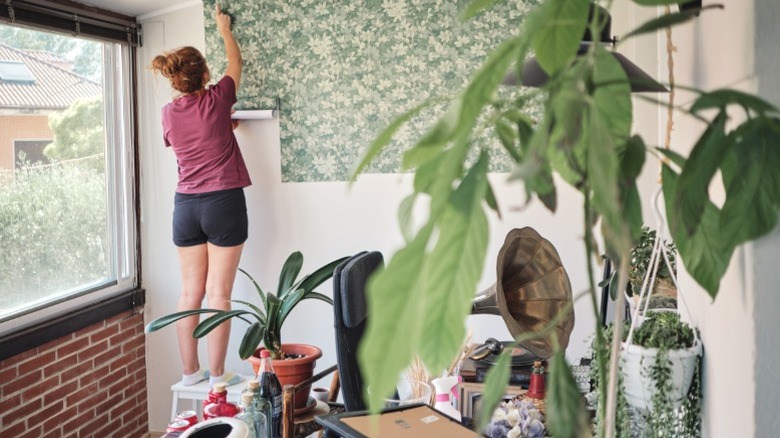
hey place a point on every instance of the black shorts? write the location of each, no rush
(216, 217)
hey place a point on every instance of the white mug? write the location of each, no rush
(320, 394)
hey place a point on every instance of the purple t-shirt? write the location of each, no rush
(198, 129)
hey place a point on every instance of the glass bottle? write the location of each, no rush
(536, 387)
(248, 413)
(270, 393)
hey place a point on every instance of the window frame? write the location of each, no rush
(40, 324)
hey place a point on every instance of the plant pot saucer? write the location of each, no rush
(311, 403)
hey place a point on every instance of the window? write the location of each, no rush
(67, 182)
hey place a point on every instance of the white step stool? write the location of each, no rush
(199, 391)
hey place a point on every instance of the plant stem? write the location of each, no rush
(614, 359)
(588, 212)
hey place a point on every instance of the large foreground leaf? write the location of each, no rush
(559, 29)
(752, 182)
(455, 268)
(565, 416)
(705, 254)
(396, 301)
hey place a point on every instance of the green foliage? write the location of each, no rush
(640, 261)
(584, 137)
(266, 318)
(53, 231)
(78, 131)
(665, 331)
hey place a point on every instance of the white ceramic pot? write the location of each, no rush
(636, 368)
(220, 427)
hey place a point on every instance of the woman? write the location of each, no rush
(209, 219)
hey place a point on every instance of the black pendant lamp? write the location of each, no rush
(534, 76)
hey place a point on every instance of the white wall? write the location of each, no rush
(323, 220)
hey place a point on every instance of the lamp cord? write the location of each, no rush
(670, 49)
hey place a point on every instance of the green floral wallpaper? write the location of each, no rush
(345, 69)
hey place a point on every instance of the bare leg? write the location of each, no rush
(194, 264)
(222, 267)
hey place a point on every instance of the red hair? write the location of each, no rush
(185, 67)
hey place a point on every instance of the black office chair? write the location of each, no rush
(350, 311)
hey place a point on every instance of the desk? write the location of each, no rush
(199, 391)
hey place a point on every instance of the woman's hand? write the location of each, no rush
(223, 20)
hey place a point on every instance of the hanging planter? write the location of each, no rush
(652, 372)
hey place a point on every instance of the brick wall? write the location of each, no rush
(91, 383)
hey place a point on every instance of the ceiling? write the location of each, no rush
(136, 8)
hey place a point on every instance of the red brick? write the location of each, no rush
(75, 372)
(72, 347)
(132, 344)
(22, 411)
(21, 383)
(88, 430)
(115, 412)
(55, 432)
(59, 392)
(86, 331)
(8, 374)
(83, 393)
(66, 363)
(34, 391)
(59, 418)
(118, 339)
(52, 409)
(104, 358)
(7, 403)
(36, 363)
(92, 351)
(94, 375)
(103, 334)
(17, 430)
(21, 357)
(110, 399)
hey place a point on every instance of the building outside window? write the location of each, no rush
(67, 215)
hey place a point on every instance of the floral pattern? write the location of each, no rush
(345, 69)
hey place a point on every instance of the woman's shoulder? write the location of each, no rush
(225, 87)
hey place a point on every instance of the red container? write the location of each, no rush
(190, 417)
(214, 410)
(177, 426)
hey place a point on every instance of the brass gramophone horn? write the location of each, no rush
(531, 288)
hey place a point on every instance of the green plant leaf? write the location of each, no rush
(428, 173)
(455, 266)
(290, 270)
(752, 183)
(491, 201)
(667, 20)
(383, 139)
(214, 321)
(705, 254)
(477, 6)
(659, 2)
(612, 96)
(693, 184)
(720, 99)
(290, 301)
(318, 296)
(405, 217)
(258, 289)
(495, 386)
(163, 321)
(561, 24)
(565, 411)
(260, 312)
(508, 138)
(316, 278)
(431, 144)
(273, 323)
(396, 297)
(251, 340)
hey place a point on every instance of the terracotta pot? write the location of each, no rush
(293, 371)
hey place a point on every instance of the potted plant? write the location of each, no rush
(583, 139)
(292, 362)
(659, 366)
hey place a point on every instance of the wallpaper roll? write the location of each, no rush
(254, 115)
